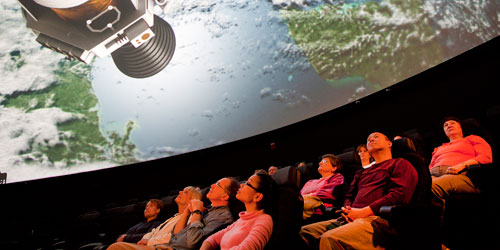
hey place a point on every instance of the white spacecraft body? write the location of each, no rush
(121, 23)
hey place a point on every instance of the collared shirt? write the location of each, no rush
(135, 233)
(215, 218)
(162, 233)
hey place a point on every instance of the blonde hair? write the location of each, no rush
(194, 192)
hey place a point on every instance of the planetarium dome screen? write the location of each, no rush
(239, 68)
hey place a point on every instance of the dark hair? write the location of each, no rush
(356, 152)
(453, 118)
(361, 146)
(157, 203)
(232, 188)
(265, 187)
(336, 162)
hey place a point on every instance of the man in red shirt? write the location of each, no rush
(387, 182)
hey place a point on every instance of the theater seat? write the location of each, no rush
(415, 225)
(287, 210)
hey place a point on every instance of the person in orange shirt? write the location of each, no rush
(451, 161)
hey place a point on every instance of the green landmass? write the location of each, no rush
(384, 42)
(81, 138)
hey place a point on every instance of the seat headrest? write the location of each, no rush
(286, 176)
(402, 146)
(348, 158)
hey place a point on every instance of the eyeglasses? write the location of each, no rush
(250, 185)
(218, 185)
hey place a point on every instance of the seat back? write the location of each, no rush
(287, 176)
(404, 148)
(350, 164)
(287, 209)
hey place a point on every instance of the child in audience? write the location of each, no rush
(254, 227)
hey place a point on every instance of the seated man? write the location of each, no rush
(135, 233)
(317, 191)
(162, 233)
(387, 182)
(204, 222)
(451, 161)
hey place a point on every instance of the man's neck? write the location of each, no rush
(219, 203)
(455, 137)
(151, 218)
(382, 155)
(181, 208)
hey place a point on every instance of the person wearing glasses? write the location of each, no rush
(321, 191)
(204, 221)
(254, 227)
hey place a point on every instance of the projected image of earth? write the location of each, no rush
(241, 68)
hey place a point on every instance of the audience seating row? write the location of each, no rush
(415, 224)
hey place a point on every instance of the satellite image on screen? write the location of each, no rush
(240, 68)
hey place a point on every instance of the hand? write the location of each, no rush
(197, 205)
(143, 242)
(187, 210)
(456, 169)
(121, 238)
(351, 214)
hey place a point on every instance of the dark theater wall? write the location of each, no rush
(465, 86)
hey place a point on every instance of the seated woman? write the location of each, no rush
(364, 156)
(451, 161)
(317, 191)
(162, 233)
(254, 227)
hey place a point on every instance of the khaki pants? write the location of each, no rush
(448, 184)
(365, 233)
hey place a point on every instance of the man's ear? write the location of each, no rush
(390, 143)
(225, 197)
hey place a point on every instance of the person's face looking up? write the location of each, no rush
(452, 129)
(151, 210)
(377, 141)
(363, 153)
(183, 197)
(248, 192)
(218, 190)
(326, 166)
